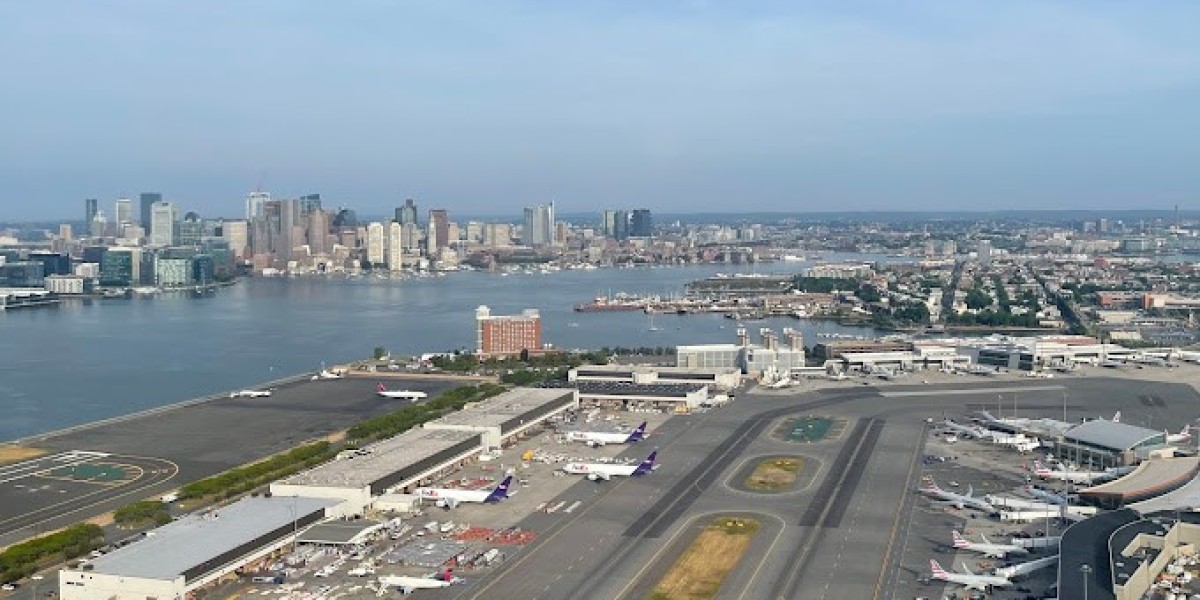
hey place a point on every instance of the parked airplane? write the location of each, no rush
(250, 394)
(1025, 568)
(450, 497)
(986, 548)
(972, 581)
(1112, 364)
(604, 472)
(956, 500)
(327, 374)
(399, 394)
(838, 377)
(408, 585)
(1046, 496)
(600, 438)
(964, 430)
(1183, 436)
(1062, 474)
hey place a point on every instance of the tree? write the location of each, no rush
(977, 299)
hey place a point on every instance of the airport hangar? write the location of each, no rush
(1102, 443)
(418, 456)
(194, 552)
(676, 397)
(201, 550)
(715, 378)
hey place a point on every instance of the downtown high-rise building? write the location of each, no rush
(640, 224)
(621, 225)
(162, 224)
(123, 211)
(539, 225)
(395, 246)
(439, 231)
(236, 234)
(317, 231)
(309, 203)
(90, 207)
(147, 200)
(376, 244)
(407, 213)
(254, 204)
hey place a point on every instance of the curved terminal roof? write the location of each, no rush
(1109, 434)
(1151, 478)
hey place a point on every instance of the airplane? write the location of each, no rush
(972, 581)
(1045, 496)
(986, 548)
(782, 383)
(1183, 436)
(838, 377)
(327, 374)
(1040, 374)
(250, 394)
(604, 472)
(399, 394)
(963, 430)
(1062, 474)
(450, 497)
(600, 438)
(1112, 364)
(1025, 568)
(408, 585)
(956, 500)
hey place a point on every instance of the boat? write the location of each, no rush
(618, 303)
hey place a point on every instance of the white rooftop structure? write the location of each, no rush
(500, 417)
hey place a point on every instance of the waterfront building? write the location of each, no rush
(66, 284)
(162, 224)
(173, 272)
(376, 246)
(22, 274)
(539, 225)
(236, 234)
(121, 267)
(147, 200)
(507, 335)
(395, 247)
(53, 263)
(190, 230)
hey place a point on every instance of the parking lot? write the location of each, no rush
(467, 540)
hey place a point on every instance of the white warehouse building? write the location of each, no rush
(506, 417)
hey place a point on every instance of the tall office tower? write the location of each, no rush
(497, 235)
(162, 224)
(65, 233)
(123, 212)
(621, 225)
(254, 204)
(609, 225)
(98, 224)
(474, 232)
(147, 201)
(395, 246)
(539, 225)
(410, 238)
(236, 234)
(407, 213)
(439, 230)
(309, 203)
(507, 335)
(640, 224)
(288, 223)
(190, 230)
(376, 244)
(121, 266)
(317, 232)
(90, 206)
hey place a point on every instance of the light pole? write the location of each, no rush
(1086, 570)
(1064, 406)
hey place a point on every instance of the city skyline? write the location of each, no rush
(765, 106)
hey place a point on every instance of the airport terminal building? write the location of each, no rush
(194, 552)
(501, 420)
(1102, 443)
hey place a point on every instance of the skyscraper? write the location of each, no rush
(621, 224)
(235, 233)
(407, 213)
(162, 224)
(439, 230)
(148, 200)
(90, 206)
(375, 244)
(309, 203)
(254, 204)
(124, 211)
(609, 225)
(395, 246)
(539, 225)
(317, 232)
(640, 224)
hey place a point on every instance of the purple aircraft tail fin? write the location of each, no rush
(647, 465)
(637, 434)
(501, 491)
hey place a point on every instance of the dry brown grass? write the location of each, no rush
(775, 474)
(700, 571)
(11, 454)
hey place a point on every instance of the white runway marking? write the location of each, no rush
(972, 390)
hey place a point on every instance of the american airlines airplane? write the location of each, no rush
(986, 548)
(960, 501)
(1183, 436)
(451, 497)
(600, 438)
(963, 430)
(604, 472)
(1046, 496)
(972, 581)
(399, 394)
(250, 394)
(1062, 474)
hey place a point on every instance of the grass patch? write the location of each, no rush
(139, 514)
(775, 474)
(806, 429)
(11, 454)
(700, 571)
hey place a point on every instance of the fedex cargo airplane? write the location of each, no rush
(451, 497)
(604, 472)
(600, 438)
(400, 394)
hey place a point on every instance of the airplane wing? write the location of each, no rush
(599, 476)
(451, 502)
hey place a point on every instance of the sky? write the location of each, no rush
(678, 106)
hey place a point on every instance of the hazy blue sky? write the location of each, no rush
(483, 107)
